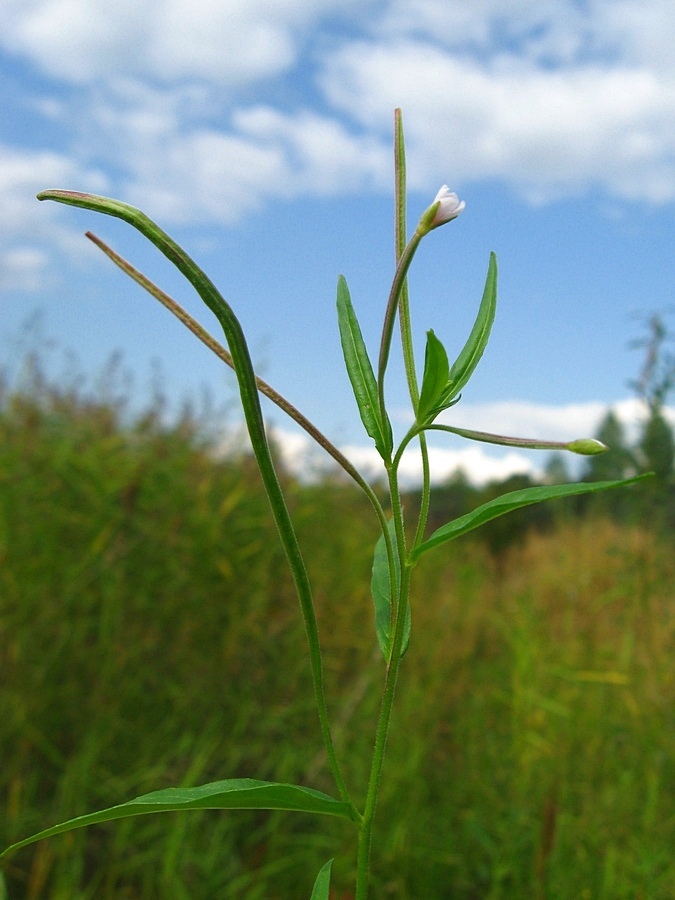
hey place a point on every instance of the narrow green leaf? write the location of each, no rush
(233, 793)
(435, 379)
(511, 501)
(468, 359)
(360, 372)
(255, 424)
(380, 586)
(322, 884)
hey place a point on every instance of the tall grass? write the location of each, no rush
(144, 604)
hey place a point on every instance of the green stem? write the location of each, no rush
(391, 678)
(399, 247)
(413, 432)
(398, 302)
(208, 340)
(250, 400)
(502, 440)
(404, 316)
(390, 315)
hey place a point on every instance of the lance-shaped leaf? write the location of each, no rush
(360, 373)
(435, 379)
(255, 423)
(322, 884)
(233, 793)
(512, 501)
(380, 587)
(472, 351)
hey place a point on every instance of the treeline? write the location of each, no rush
(651, 503)
(66, 408)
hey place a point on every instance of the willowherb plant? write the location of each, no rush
(401, 543)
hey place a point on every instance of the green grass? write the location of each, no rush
(149, 637)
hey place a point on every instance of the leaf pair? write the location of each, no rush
(441, 384)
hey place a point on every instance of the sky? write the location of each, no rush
(259, 134)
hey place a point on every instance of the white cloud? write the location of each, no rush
(28, 227)
(205, 175)
(480, 466)
(553, 98)
(323, 156)
(549, 132)
(641, 32)
(530, 420)
(179, 163)
(548, 27)
(229, 43)
(566, 422)
(480, 463)
(553, 33)
(215, 175)
(22, 268)
(477, 464)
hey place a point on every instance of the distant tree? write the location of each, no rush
(618, 461)
(453, 498)
(658, 447)
(555, 471)
(653, 385)
(657, 375)
(501, 533)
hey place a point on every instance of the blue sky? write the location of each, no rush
(258, 133)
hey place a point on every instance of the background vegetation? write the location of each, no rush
(150, 637)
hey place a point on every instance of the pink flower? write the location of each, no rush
(449, 206)
(446, 207)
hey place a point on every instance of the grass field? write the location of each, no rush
(150, 637)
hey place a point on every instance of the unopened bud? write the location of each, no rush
(587, 447)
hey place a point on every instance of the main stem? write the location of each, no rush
(382, 732)
(398, 301)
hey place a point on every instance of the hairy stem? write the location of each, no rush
(404, 314)
(391, 678)
(390, 315)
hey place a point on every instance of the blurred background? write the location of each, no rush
(149, 634)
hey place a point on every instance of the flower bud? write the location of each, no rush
(587, 447)
(446, 207)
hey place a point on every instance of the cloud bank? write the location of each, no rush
(195, 110)
(479, 463)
